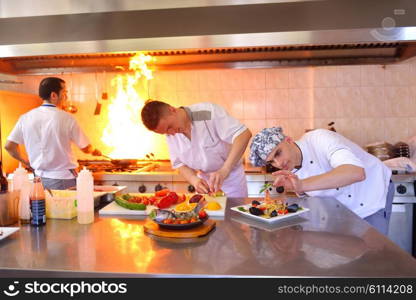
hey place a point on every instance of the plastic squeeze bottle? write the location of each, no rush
(85, 197)
(20, 182)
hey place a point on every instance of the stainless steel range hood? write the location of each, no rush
(40, 36)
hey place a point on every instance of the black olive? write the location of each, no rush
(280, 189)
(273, 214)
(255, 211)
(255, 202)
(293, 208)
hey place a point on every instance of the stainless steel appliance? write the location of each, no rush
(402, 221)
(222, 33)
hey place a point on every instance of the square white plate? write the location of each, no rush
(7, 231)
(270, 220)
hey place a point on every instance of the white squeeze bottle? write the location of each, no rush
(85, 197)
(21, 182)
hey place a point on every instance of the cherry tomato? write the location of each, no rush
(153, 200)
(202, 214)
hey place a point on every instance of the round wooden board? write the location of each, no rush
(153, 228)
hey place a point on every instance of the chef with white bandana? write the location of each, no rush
(205, 144)
(323, 163)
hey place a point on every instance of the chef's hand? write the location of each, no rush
(96, 152)
(201, 186)
(288, 180)
(216, 179)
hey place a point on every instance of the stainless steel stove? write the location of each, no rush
(402, 222)
(145, 176)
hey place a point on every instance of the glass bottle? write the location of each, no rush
(37, 203)
(3, 181)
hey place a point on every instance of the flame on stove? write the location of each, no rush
(125, 133)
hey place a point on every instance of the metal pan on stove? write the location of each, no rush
(121, 162)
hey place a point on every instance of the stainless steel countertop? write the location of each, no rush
(329, 240)
(410, 177)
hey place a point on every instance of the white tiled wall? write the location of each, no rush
(368, 103)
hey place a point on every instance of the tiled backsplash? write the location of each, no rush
(368, 103)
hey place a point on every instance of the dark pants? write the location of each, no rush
(380, 219)
(58, 184)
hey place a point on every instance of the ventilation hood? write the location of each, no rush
(41, 36)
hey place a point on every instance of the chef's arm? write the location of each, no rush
(91, 150)
(14, 150)
(338, 177)
(190, 175)
(237, 150)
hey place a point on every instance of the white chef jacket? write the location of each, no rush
(324, 150)
(47, 133)
(213, 132)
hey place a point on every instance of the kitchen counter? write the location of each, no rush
(408, 177)
(329, 240)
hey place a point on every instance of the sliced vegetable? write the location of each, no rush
(165, 202)
(265, 187)
(126, 196)
(129, 205)
(162, 193)
(242, 209)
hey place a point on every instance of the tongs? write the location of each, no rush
(106, 156)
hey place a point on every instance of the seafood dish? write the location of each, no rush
(271, 210)
(184, 216)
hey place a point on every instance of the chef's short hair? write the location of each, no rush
(152, 112)
(49, 85)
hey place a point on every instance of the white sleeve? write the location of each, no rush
(16, 135)
(227, 127)
(336, 150)
(174, 158)
(78, 136)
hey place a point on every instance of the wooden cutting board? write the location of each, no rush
(153, 228)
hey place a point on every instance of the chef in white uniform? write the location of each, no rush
(205, 144)
(323, 163)
(47, 133)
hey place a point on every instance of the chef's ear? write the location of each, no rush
(289, 139)
(172, 109)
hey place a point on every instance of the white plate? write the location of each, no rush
(270, 220)
(7, 231)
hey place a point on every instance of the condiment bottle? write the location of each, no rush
(20, 182)
(85, 197)
(37, 203)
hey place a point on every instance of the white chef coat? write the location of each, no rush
(213, 132)
(47, 133)
(324, 150)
